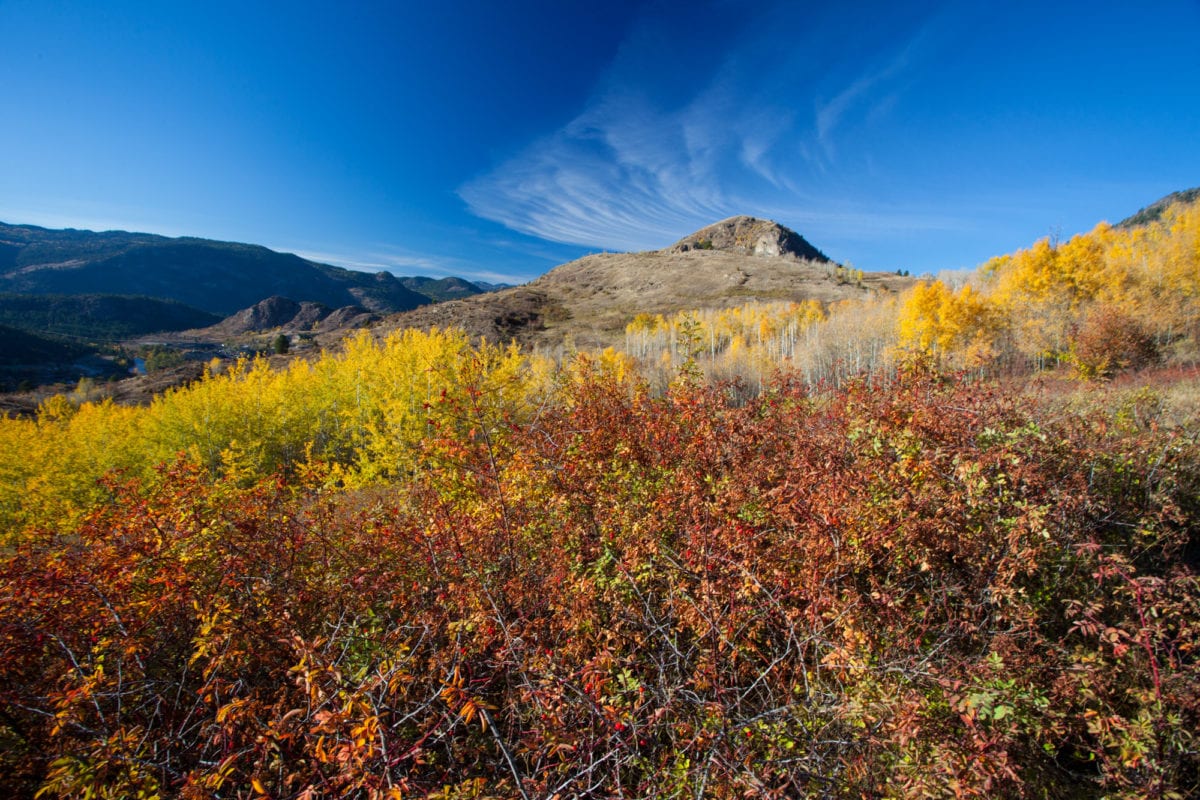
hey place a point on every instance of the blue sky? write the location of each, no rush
(495, 140)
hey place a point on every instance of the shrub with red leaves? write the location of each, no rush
(906, 588)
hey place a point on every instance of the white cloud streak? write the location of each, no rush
(407, 265)
(862, 92)
(622, 175)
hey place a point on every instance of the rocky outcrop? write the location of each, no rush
(275, 312)
(749, 236)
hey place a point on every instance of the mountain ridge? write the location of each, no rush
(98, 316)
(213, 276)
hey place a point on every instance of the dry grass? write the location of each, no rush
(1158, 398)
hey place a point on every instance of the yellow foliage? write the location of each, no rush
(935, 320)
(364, 410)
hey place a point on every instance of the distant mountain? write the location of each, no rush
(488, 286)
(216, 277)
(591, 300)
(98, 316)
(1154, 211)
(440, 289)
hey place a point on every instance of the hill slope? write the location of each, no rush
(1154, 211)
(216, 277)
(732, 262)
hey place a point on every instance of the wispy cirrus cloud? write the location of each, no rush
(622, 175)
(635, 169)
(863, 94)
(625, 174)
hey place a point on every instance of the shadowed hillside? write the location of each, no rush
(98, 316)
(216, 277)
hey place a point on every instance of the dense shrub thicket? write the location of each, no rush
(907, 587)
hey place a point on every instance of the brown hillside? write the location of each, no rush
(591, 300)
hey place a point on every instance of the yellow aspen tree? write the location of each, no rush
(920, 321)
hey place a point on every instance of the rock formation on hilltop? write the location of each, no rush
(749, 236)
(275, 312)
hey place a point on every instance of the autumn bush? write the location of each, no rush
(907, 587)
(1109, 341)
